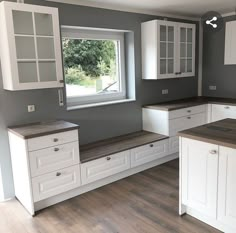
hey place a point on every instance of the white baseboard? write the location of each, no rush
(86, 188)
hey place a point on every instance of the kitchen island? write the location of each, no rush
(208, 174)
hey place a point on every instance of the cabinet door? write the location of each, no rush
(166, 49)
(199, 162)
(227, 187)
(34, 51)
(220, 112)
(186, 50)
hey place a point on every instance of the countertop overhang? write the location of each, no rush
(222, 133)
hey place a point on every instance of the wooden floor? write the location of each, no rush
(143, 203)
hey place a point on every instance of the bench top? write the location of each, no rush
(114, 145)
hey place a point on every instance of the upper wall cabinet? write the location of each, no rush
(230, 45)
(168, 49)
(30, 47)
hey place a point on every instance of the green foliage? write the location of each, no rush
(91, 58)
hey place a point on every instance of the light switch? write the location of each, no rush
(164, 92)
(31, 108)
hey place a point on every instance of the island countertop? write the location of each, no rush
(222, 133)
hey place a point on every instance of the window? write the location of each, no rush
(93, 65)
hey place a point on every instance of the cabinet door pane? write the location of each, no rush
(171, 34)
(170, 66)
(189, 65)
(23, 22)
(25, 47)
(27, 72)
(43, 24)
(189, 50)
(182, 65)
(182, 34)
(47, 71)
(170, 50)
(163, 33)
(45, 48)
(163, 50)
(190, 35)
(163, 66)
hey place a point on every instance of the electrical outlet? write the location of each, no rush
(212, 88)
(164, 92)
(31, 108)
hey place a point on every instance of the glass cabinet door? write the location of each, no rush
(186, 50)
(167, 50)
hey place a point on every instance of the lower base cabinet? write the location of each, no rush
(208, 184)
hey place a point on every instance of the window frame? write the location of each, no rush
(99, 34)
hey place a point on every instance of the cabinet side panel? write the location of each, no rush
(21, 173)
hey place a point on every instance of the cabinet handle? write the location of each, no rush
(189, 117)
(55, 139)
(58, 173)
(56, 149)
(151, 145)
(108, 158)
(189, 111)
(227, 107)
(213, 152)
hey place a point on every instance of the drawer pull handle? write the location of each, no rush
(58, 173)
(151, 145)
(213, 152)
(55, 139)
(56, 149)
(188, 117)
(227, 107)
(189, 111)
(108, 158)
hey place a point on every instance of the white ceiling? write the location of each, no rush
(189, 8)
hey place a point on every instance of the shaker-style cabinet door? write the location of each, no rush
(199, 163)
(186, 50)
(30, 47)
(227, 187)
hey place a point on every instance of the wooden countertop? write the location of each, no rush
(42, 128)
(220, 132)
(190, 102)
(117, 144)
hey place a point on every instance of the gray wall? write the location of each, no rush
(96, 123)
(214, 71)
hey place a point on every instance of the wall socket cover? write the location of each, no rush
(164, 91)
(31, 108)
(212, 88)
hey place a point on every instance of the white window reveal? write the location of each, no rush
(94, 65)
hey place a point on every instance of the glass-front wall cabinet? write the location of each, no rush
(168, 49)
(31, 47)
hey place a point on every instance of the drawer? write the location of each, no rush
(220, 112)
(53, 158)
(187, 111)
(57, 182)
(187, 122)
(149, 152)
(104, 167)
(52, 140)
(173, 145)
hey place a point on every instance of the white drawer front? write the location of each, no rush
(53, 158)
(173, 145)
(187, 111)
(104, 167)
(54, 183)
(220, 112)
(187, 122)
(149, 152)
(52, 140)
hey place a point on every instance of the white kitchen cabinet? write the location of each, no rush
(220, 112)
(199, 170)
(168, 49)
(30, 46)
(227, 187)
(150, 152)
(230, 45)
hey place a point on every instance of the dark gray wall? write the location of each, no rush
(214, 71)
(96, 123)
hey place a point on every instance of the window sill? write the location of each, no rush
(71, 108)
